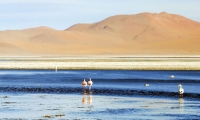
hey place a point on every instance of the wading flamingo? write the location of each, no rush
(90, 84)
(84, 84)
(180, 90)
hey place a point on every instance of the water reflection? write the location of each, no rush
(87, 101)
(181, 103)
(90, 100)
(84, 100)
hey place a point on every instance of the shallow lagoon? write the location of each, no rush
(31, 94)
(158, 80)
(73, 106)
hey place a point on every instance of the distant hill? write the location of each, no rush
(139, 34)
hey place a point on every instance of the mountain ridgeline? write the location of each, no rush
(139, 34)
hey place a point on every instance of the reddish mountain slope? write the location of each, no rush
(140, 34)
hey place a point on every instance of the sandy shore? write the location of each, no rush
(104, 63)
(78, 106)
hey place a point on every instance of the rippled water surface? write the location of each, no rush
(115, 94)
(118, 80)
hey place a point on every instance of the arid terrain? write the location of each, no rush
(141, 34)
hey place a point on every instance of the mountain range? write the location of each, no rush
(138, 34)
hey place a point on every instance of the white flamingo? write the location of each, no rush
(90, 84)
(84, 84)
(172, 76)
(180, 90)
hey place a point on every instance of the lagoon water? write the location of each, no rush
(116, 94)
(159, 81)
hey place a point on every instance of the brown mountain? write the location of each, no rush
(139, 34)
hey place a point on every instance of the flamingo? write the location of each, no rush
(172, 76)
(180, 90)
(84, 84)
(90, 84)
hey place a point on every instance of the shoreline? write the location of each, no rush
(100, 63)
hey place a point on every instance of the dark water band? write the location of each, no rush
(96, 91)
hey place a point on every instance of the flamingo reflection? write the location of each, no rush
(84, 100)
(181, 103)
(90, 100)
(87, 99)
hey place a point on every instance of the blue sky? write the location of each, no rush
(61, 14)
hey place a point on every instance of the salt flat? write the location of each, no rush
(104, 63)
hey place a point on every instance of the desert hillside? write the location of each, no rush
(139, 34)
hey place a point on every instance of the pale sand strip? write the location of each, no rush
(104, 64)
